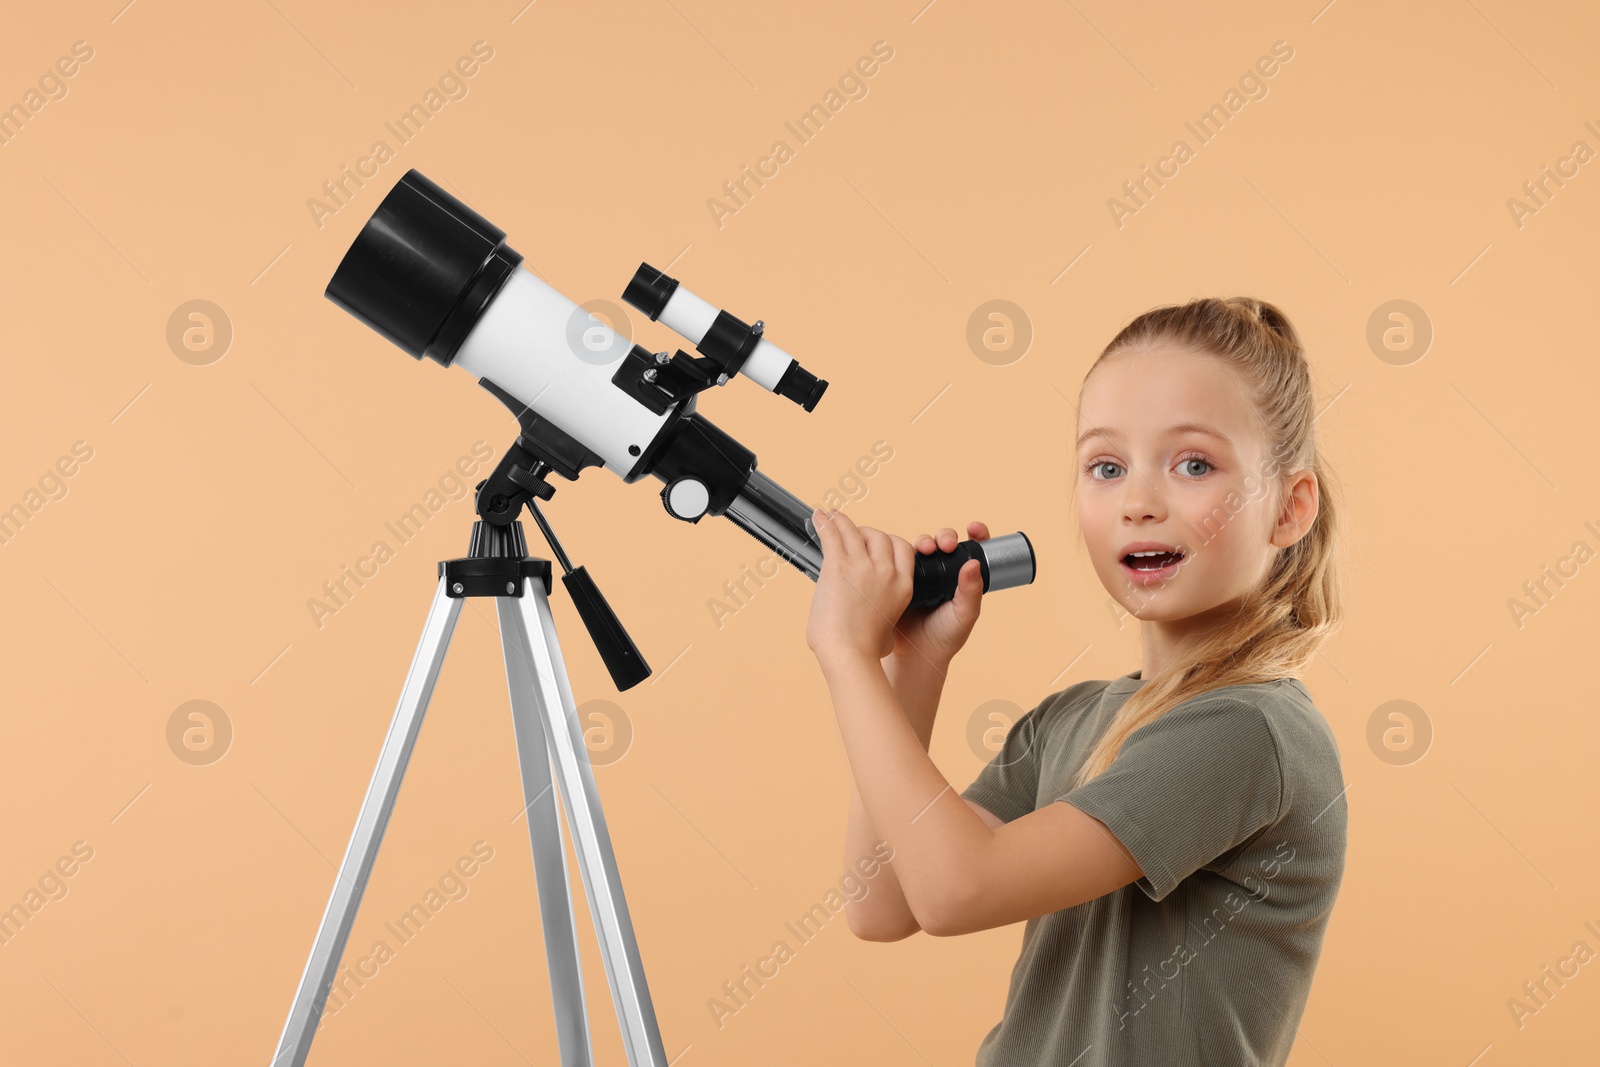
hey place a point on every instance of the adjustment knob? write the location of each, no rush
(530, 481)
(686, 499)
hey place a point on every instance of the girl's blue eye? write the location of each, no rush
(1090, 467)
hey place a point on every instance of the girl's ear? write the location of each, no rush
(1299, 509)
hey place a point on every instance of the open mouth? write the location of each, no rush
(1151, 561)
(1151, 566)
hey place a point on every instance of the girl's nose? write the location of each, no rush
(1140, 503)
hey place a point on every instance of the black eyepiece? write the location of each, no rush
(650, 290)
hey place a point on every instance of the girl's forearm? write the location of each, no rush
(917, 685)
(936, 837)
(883, 914)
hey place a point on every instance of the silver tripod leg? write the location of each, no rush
(535, 671)
(328, 949)
(549, 852)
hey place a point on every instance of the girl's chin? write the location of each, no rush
(1150, 605)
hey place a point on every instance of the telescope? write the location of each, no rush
(439, 281)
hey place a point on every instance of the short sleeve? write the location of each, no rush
(1187, 787)
(1008, 785)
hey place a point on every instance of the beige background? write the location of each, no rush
(222, 494)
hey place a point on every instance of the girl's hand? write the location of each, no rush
(864, 586)
(924, 637)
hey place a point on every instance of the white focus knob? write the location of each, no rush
(686, 498)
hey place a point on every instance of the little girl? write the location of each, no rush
(1176, 899)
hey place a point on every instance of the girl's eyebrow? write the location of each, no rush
(1182, 427)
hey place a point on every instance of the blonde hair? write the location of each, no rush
(1280, 625)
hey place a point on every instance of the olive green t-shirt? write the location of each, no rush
(1232, 803)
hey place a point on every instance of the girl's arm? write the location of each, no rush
(888, 917)
(883, 914)
(956, 872)
(904, 798)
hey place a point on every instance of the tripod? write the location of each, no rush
(547, 731)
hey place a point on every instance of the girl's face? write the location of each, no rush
(1149, 472)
